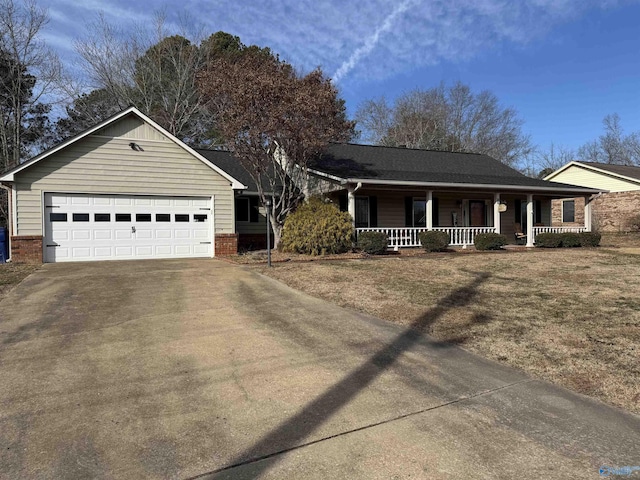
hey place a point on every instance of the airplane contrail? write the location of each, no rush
(371, 41)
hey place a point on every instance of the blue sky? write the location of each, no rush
(562, 64)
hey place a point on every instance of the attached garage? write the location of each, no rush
(119, 227)
(125, 189)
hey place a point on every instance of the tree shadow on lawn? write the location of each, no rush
(290, 434)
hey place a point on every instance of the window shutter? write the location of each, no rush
(343, 202)
(373, 211)
(538, 217)
(518, 210)
(435, 209)
(254, 214)
(408, 211)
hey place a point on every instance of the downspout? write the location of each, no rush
(10, 201)
(358, 187)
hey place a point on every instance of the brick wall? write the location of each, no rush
(556, 213)
(26, 249)
(610, 212)
(226, 244)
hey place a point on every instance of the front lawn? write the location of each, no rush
(571, 316)
(13, 273)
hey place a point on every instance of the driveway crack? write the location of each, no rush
(460, 399)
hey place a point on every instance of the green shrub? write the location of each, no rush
(549, 240)
(317, 228)
(489, 241)
(373, 243)
(570, 239)
(434, 241)
(590, 239)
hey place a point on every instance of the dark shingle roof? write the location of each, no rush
(375, 163)
(225, 160)
(625, 170)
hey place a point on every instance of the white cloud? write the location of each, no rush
(353, 40)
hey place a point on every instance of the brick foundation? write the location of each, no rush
(226, 244)
(26, 249)
(610, 212)
(253, 241)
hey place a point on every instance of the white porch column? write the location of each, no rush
(530, 220)
(429, 210)
(496, 212)
(351, 203)
(587, 214)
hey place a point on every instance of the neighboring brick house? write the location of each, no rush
(612, 209)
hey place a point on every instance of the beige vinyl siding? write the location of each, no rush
(131, 127)
(584, 177)
(104, 165)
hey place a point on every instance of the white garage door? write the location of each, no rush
(117, 227)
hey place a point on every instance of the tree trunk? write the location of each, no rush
(277, 234)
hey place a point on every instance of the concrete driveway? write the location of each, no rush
(201, 369)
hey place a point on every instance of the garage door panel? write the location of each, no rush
(103, 234)
(103, 252)
(60, 236)
(81, 234)
(102, 227)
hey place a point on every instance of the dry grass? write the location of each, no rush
(13, 273)
(568, 316)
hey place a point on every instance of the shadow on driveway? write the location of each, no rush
(316, 413)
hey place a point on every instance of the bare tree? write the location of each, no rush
(549, 160)
(275, 122)
(447, 118)
(613, 146)
(30, 72)
(156, 71)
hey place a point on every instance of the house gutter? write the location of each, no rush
(480, 186)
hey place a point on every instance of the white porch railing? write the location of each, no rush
(537, 230)
(408, 237)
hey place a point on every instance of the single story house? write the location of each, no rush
(403, 191)
(612, 209)
(128, 189)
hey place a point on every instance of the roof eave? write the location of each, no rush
(482, 186)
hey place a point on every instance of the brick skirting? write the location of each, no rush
(26, 249)
(226, 244)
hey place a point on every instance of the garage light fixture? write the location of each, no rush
(135, 147)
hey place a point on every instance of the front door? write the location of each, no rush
(477, 213)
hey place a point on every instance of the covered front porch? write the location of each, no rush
(403, 213)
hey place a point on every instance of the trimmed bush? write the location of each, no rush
(549, 240)
(373, 243)
(317, 228)
(489, 241)
(590, 239)
(434, 241)
(570, 239)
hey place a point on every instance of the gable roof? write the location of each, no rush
(624, 172)
(9, 176)
(352, 163)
